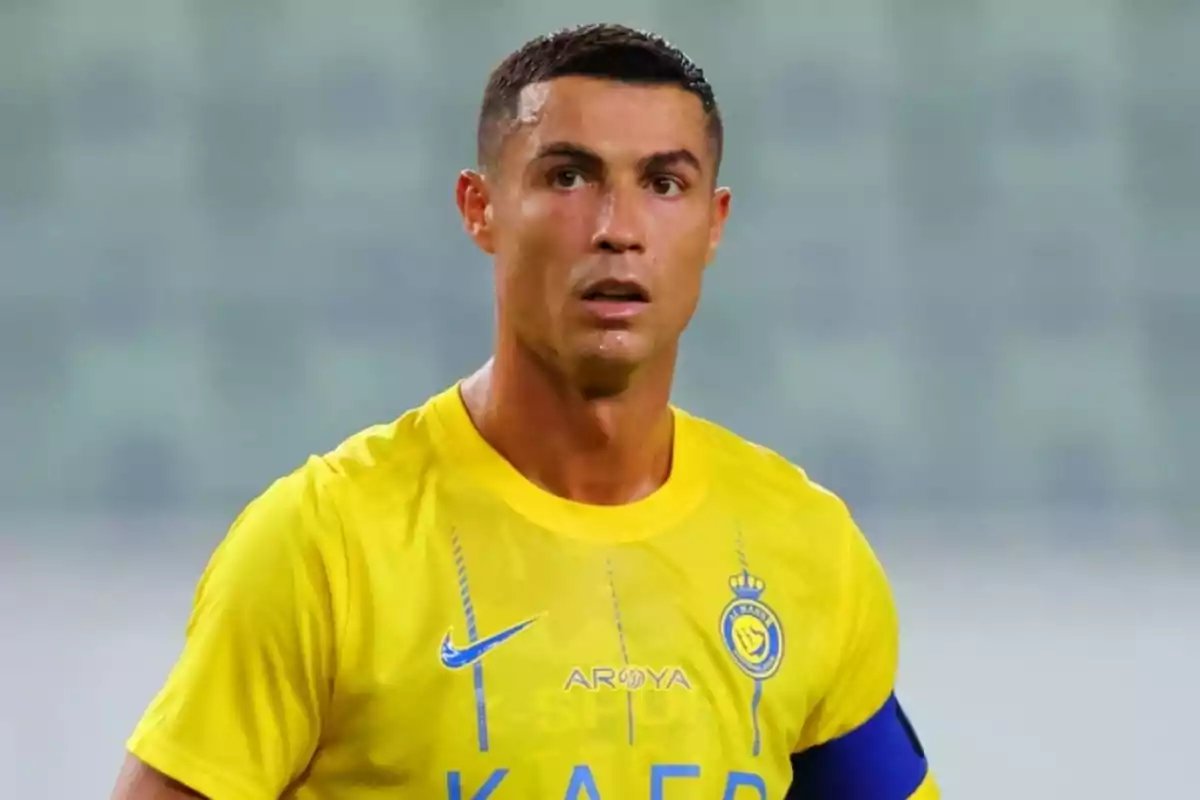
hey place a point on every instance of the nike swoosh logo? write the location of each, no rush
(455, 658)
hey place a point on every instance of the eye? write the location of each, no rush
(567, 178)
(666, 185)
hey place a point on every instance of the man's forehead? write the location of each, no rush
(576, 107)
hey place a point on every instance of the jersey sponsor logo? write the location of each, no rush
(459, 657)
(595, 679)
(750, 629)
(663, 780)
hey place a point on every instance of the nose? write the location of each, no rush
(620, 227)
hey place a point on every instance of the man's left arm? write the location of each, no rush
(858, 743)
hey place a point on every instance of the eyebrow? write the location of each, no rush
(650, 163)
(670, 158)
(575, 152)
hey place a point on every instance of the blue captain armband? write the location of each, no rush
(882, 759)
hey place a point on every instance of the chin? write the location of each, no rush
(606, 371)
(602, 381)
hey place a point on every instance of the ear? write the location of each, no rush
(473, 196)
(721, 199)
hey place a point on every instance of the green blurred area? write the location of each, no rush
(963, 270)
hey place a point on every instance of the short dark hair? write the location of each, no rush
(612, 52)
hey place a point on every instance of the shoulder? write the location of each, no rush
(378, 461)
(759, 475)
(376, 469)
(378, 456)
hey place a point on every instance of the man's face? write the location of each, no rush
(603, 216)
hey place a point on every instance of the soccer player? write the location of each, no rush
(548, 582)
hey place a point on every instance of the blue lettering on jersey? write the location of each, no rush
(454, 789)
(661, 773)
(582, 784)
(630, 678)
(744, 780)
(582, 780)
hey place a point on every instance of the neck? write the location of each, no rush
(607, 451)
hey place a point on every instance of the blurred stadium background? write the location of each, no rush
(961, 286)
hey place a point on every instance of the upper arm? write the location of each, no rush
(139, 781)
(242, 711)
(858, 744)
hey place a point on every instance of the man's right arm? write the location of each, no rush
(241, 713)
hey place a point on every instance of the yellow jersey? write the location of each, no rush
(409, 617)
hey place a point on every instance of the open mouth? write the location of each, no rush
(615, 291)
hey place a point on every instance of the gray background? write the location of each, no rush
(961, 286)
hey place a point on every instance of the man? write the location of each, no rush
(547, 582)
